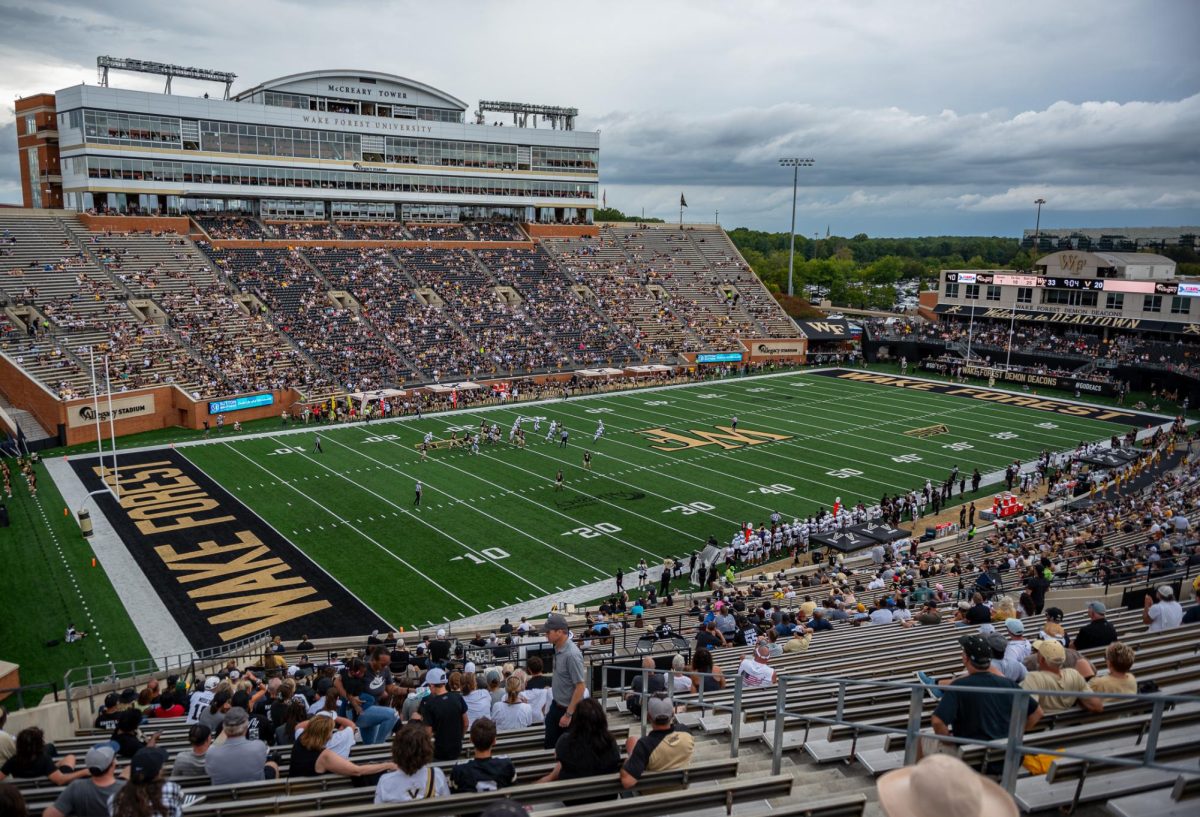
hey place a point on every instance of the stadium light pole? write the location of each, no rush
(795, 165)
(1012, 320)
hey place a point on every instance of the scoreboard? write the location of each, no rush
(1182, 288)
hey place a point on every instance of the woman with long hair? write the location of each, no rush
(514, 712)
(294, 715)
(147, 794)
(415, 777)
(479, 701)
(587, 748)
(34, 758)
(705, 669)
(311, 756)
(12, 803)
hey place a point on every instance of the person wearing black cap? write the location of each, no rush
(89, 796)
(146, 788)
(567, 680)
(982, 716)
(106, 718)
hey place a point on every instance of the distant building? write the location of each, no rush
(1100, 289)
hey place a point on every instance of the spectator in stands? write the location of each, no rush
(567, 682)
(655, 683)
(586, 748)
(1161, 611)
(109, 714)
(982, 716)
(1012, 670)
(708, 676)
(89, 796)
(513, 711)
(663, 747)
(1118, 660)
(444, 714)
(1098, 632)
(479, 701)
(192, 762)
(238, 760)
(1051, 675)
(1018, 645)
(537, 689)
(978, 612)
(312, 755)
(364, 685)
(755, 669)
(415, 777)
(942, 786)
(8, 744)
(709, 637)
(295, 712)
(147, 793)
(214, 715)
(127, 735)
(12, 802)
(483, 772)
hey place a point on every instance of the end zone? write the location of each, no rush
(219, 569)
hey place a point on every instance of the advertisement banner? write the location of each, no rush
(82, 414)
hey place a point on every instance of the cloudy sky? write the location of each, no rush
(924, 117)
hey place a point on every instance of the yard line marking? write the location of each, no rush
(355, 529)
(465, 504)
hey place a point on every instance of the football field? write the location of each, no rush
(492, 530)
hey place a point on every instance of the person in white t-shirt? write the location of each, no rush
(1162, 612)
(416, 778)
(513, 711)
(201, 700)
(755, 667)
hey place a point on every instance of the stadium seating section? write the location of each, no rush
(282, 310)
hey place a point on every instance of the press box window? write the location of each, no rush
(1180, 305)
(993, 292)
(1152, 303)
(952, 290)
(973, 292)
(1024, 295)
(1114, 301)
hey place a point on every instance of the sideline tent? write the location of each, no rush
(599, 372)
(446, 388)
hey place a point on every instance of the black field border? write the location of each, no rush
(277, 566)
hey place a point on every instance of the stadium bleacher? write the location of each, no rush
(845, 706)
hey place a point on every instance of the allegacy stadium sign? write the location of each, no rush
(777, 348)
(84, 414)
(221, 571)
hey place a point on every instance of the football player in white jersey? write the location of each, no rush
(599, 432)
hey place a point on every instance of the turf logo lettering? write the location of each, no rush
(723, 436)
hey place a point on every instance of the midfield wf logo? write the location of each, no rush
(724, 436)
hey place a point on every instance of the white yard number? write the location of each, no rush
(657, 403)
(759, 390)
(690, 508)
(802, 385)
(1047, 426)
(599, 529)
(907, 458)
(960, 446)
(286, 451)
(844, 473)
(774, 488)
(709, 396)
(485, 555)
(1004, 435)
(381, 438)
(599, 411)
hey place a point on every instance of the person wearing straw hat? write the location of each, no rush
(942, 786)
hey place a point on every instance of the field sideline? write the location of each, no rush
(492, 531)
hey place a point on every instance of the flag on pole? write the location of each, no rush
(604, 199)
(682, 201)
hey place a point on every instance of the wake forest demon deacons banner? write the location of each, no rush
(1038, 403)
(222, 572)
(1036, 381)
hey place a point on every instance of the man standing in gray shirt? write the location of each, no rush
(191, 762)
(238, 760)
(88, 796)
(567, 683)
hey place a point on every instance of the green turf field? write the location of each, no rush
(492, 530)
(47, 582)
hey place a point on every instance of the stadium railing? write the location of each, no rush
(85, 684)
